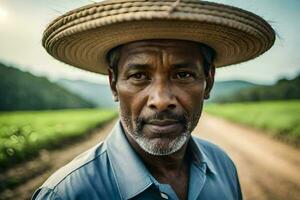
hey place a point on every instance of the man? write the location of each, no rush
(160, 57)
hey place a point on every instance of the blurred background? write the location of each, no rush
(50, 111)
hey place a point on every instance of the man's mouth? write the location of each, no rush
(164, 126)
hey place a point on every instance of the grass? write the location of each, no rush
(24, 134)
(278, 118)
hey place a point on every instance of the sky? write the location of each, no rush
(22, 23)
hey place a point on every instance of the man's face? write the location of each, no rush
(160, 86)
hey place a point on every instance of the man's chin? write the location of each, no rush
(161, 146)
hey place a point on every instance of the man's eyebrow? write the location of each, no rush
(138, 66)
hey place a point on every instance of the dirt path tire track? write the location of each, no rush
(268, 169)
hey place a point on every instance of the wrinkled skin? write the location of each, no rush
(161, 86)
(161, 80)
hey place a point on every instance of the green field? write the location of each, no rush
(278, 118)
(24, 134)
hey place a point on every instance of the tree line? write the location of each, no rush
(283, 89)
(23, 91)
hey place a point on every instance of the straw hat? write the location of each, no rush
(84, 36)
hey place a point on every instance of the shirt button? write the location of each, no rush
(164, 195)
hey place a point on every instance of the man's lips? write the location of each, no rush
(162, 122)
(163, 126)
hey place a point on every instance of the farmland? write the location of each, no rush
(24, 134)
(280, 119)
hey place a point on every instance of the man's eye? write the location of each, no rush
(138, 76)
(183, 75)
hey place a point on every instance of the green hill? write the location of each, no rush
(23, 91)
(223, 89)
(284, 89)
(97, 93)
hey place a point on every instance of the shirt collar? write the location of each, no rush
(200, 156)
(131, 174)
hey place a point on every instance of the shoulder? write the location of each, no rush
(84, 160)
(74, 176)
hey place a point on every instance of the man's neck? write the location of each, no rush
(164, 165)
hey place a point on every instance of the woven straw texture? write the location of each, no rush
(83, 37)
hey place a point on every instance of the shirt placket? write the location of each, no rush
(166, 192)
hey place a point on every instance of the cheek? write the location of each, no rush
(191, 98)
(131, 100)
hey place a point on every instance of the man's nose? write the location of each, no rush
(161, 98)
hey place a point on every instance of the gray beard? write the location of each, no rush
(152, 145)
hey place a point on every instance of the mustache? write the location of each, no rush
(164, 115)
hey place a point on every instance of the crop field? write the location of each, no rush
(24, 134)
(278, 118)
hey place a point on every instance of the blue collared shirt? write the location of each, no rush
(113, 170)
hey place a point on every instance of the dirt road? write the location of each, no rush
(267, 168)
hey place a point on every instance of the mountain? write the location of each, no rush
(97, 93)
(223, 89)
(283, 89)
(23, 91)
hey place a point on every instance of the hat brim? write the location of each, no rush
(83, 37)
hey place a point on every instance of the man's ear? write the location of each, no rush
(113, 84)
(210, 79)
